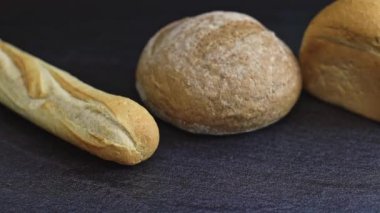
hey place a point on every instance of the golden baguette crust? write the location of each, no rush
(340, 56)
(218, 73)
(111, 127)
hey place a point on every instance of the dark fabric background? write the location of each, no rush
(318, 159)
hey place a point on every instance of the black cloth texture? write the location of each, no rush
(320, 158)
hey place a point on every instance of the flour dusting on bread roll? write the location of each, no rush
(218, 73)
(111, 127)
(340, 56)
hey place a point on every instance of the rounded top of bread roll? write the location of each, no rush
(353, 17)
(218, 73)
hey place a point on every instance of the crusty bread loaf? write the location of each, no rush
(111, 127)
(340, 56)
(218, 73)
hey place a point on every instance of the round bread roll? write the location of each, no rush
(340, 56)
(218, 73)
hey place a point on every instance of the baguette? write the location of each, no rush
(111, 127)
